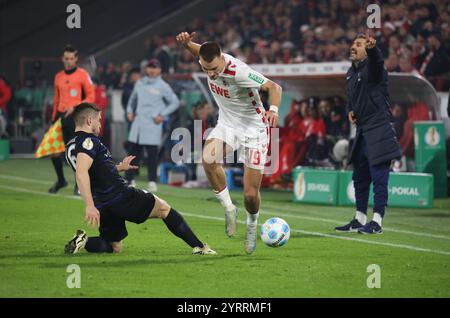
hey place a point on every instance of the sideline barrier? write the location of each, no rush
(333, 187)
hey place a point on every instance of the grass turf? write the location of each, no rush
(413, 253)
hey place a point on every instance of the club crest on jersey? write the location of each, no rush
(88, 144)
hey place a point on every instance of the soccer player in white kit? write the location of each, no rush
(243, 125)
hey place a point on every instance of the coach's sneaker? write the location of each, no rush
(152, 187)
(231, 221)
(250, 237)
(57, 186)
(371, 228)
(205, 250)
(352, 226)
(77, 243)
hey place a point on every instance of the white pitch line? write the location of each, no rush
(388, 229)
(24, 179)
(310, 218)
(346, 238)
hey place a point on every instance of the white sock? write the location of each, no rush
(361, 217)
(252, 218)
(224, 198)
(377, 218)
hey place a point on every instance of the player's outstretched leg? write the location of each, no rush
(178, 226)
(252, 199)
(216, 176)
(93, 244)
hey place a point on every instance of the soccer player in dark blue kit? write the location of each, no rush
(109, 201)
(376, 143)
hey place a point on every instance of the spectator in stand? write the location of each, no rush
(416, 112)
(315, 133)
(111, 78)
(101, 101)
(5, 97)
(292, 145)
(434, 61)
(325, 107)
(133, 76)
(338, 127)
(399, 119)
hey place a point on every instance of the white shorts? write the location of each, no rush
(251, 143)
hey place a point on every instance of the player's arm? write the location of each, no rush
(125, 164)
(84, 163)
(275, 92)
(185, 39)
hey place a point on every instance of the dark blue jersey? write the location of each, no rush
(107, 186)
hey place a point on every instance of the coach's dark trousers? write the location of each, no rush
(364, 174)
(152, 160)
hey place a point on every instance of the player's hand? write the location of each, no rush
(158, 119)
(126, 164)
(130, 117)
(352, 118)
(272, 118)
(184, 38)
(92, 217)
(370, 41)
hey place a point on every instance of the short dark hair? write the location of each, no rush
(69, 48)
(360, 36)
(82, 111)
(209, 51)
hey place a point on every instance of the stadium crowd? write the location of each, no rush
(414, 36)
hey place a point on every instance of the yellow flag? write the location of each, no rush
(52, 142)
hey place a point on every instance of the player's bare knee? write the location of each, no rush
(251, 198)
(164, 210)
(160, 210)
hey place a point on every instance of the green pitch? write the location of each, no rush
(413, 254)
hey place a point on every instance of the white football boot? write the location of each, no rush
(205, 250)
(250, 237)
(231, 221)
(77, 243)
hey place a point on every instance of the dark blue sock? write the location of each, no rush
(98, 245)
(178, 226)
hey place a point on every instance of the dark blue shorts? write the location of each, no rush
(134, 206)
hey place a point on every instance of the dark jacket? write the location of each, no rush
(368, 98)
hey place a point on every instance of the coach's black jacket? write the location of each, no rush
(368, 98)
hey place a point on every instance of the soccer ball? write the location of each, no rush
(275, 232)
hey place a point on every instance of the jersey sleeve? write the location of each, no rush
(87, 145)
(249, 78)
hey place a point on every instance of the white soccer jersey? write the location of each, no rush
(236, 93)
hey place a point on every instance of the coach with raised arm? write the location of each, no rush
(375, 143)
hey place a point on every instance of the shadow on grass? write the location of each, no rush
(102, 260)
